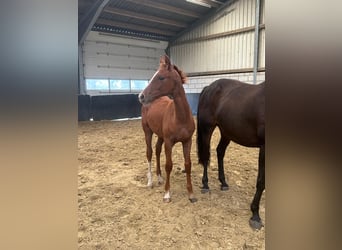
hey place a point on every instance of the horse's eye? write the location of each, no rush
(161, 78)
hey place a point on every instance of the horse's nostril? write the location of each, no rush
(141, 96)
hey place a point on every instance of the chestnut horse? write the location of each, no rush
(238, 109)
(166, 112)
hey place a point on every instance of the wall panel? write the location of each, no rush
(223, 43)
(109, 56)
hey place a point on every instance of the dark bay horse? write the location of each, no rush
(238, 110)
(166, 112)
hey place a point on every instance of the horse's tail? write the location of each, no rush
(204, 129)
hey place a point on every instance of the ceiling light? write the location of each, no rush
(198, 2)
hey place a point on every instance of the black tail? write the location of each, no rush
(204, 129)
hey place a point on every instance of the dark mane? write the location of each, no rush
(181, 74)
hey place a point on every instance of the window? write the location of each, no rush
(115, 86)
(97, 84)
(138, 84)
(119, 85)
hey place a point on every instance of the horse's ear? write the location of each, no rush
(165, 62)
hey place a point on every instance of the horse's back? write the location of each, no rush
(237, 108)
(241, 114)
(211, 98)
(241, 98)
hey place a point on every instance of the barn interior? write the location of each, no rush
(120, 43)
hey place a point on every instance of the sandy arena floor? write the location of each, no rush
(118, 211)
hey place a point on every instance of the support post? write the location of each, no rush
(256, 41)
(84, 26)
(81, 82)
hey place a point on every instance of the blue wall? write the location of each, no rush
(193, 101)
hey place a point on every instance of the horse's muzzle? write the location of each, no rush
(141, 98)
(145, 99)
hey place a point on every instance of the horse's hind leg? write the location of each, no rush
(168, 168)
(255, 221)
(158, 151)
(204, 133)
(187, 166)
(148, 139)
(221, 150)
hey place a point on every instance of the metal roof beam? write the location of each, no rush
(213, 4)
(166, 7)
(121, 12)
(134, 27)
(202, 20)
(206, 3)
(88, 20)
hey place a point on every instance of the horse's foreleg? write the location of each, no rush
(148, 139)
(158, 151)
(220, 151)
(255, 221)
(168, 169)
(187, 166)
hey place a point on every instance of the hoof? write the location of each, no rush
(149, 186)
(160, 180)
(167, 200)
(205, 190)
(257, 225)
(193, 200)
(224, 188)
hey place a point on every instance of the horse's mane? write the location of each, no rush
(181, 74)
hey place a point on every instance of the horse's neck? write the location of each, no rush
(182, 109)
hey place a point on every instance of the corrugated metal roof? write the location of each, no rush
(156, 19)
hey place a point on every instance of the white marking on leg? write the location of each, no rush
(149, 175)
(160, 179)
(167, 196)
